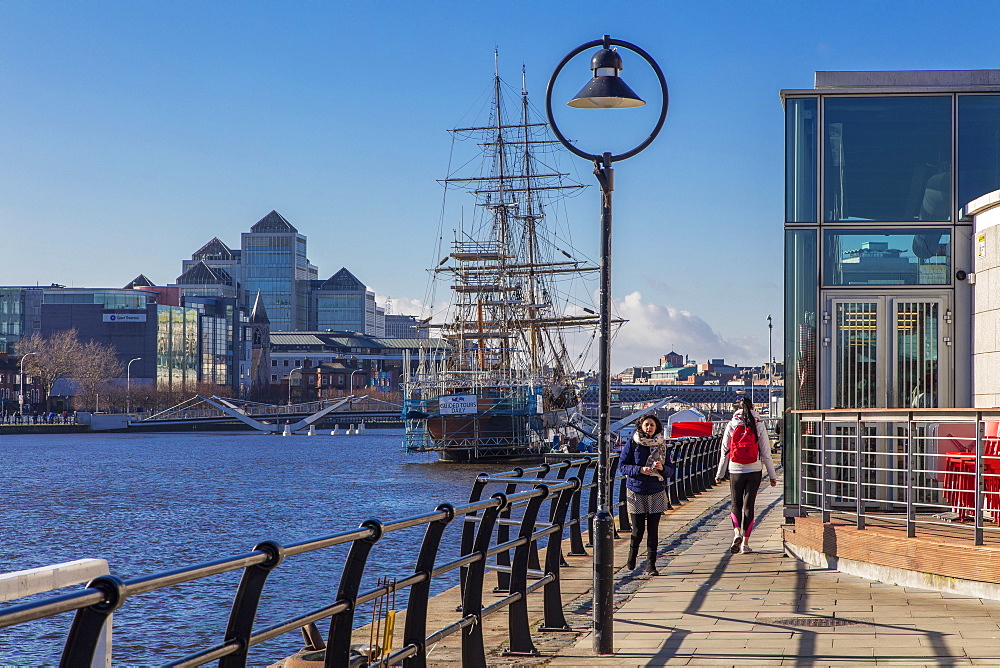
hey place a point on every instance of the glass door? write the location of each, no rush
(856, 367)
(918, 347)
(885, 351)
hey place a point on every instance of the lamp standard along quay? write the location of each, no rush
(605, 91)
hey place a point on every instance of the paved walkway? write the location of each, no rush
(709, 607)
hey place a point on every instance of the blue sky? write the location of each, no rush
(131, 133)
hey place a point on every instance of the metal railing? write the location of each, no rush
(486, 545)
(919, 470)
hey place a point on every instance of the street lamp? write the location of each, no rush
(298, 368)
(21, 398)
(605, 91)
(128, 384)
(351, 388)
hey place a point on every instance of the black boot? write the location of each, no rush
(651, 563)
(633, 552)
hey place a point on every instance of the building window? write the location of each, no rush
(978, 146)
(801, 145)
(887, 159)
(274, 378)
(887, 257)
(274, 362)
(286, 362)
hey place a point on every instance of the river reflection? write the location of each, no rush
(153, 502)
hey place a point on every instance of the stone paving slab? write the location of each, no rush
(713, 608)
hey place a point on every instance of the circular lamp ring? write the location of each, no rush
(606, 43)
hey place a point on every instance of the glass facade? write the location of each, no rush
(978, 146)
(801, 293)
(340, 312)
(123, 301)
(877, 170)
(887, 257)
(176, 347)
(217, 350)
(887, 159)
(275, 264)
(801, 168)
(11, 317)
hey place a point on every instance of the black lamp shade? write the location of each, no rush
(606, 92)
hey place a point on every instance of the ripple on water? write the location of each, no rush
(153, 502)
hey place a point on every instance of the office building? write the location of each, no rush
(274, 263)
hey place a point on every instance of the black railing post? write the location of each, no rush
(469, 528)
(554, 619)
(503, 535)
(518, 629)
(247, 599)
(576, 548)
(415, 630)
(697, 477)
(682, 469)
(473, 650)
(592, 507)
(533, 561)
(81, 643)
(338, 645)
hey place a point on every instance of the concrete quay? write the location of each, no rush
(709, 607)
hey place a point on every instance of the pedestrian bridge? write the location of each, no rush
(269, 418)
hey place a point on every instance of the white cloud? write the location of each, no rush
(405, 306)
(653, 330)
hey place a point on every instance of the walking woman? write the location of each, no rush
(646, 463)
(746, 450)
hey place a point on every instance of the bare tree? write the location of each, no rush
(54, 357)
(97, 363)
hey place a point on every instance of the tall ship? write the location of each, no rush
(519, 315)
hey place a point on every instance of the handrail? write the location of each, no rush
(917, 470)
(486, 545)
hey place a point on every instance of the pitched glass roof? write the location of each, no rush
(202, 274)
(273, 222)
(342, 280)
(213, 250)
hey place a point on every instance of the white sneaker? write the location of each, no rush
(735, 548)
(746, 549)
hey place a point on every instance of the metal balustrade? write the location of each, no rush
(486, 541)
(932, 471)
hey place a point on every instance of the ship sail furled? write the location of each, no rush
(516, 288)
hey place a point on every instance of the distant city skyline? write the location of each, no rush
(136, 132)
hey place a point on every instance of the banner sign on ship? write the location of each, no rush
(459, 404)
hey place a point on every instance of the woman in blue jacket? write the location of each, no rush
(645, 462)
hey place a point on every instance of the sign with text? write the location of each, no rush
(458, 404)
(124, 317)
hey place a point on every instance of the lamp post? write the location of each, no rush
(298, 368)
(128, 385)
(351, 388)
(605, 91)
(770, 370)
(21, 398)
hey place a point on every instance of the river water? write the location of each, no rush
(153, 502)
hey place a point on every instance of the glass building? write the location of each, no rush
(343, 303)
(176, 347)
(273, 263)
(878, 166)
